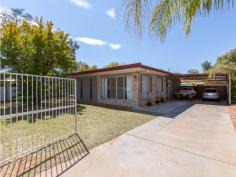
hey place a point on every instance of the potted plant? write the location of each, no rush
(149, 102)
(162, 99)
(157, 100)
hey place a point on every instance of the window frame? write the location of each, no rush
(124, 76)
(146, 94)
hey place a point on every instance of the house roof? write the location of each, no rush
(120, 67)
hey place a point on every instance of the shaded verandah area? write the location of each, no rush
(199, 82)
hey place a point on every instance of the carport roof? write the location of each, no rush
(198, 75)
(218, 79)
(203, 77)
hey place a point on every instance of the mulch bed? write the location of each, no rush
(233, 114)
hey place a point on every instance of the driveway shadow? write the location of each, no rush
(171, 109)
(51, 160)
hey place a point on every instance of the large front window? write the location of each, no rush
(111, 87)
(121, 88)
(159, 87)
(117, 87)
(146, 86)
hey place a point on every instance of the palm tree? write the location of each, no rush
(165, 13)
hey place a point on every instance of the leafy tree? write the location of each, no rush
(193, 71)
(167, 12)
(206, 66)
(36, 48)
(82, 66)
(112, 64)
(227, 64)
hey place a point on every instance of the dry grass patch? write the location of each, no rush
(97, 125)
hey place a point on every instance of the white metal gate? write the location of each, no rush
(34, 111)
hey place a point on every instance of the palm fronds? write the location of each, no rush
(167, 12)
(135, 12)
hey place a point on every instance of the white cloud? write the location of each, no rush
(91, 41)
(111, 13)
(115, 46)
(82, 3)
(98, 42)
(3, 9)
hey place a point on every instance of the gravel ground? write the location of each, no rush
(233, 114)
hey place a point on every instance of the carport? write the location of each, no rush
(220, 81)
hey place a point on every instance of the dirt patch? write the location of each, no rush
(51, 160)
(233, 115)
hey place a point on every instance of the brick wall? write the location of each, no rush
(137, 100)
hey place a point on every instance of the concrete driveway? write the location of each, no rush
(200, 142)
(173, 108)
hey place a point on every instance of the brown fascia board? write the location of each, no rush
(198, 75)
(129, 66)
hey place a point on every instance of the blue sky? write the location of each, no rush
(99, 28)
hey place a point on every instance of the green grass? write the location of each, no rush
(31, 133)
(97, 125)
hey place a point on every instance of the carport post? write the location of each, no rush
(229, 89)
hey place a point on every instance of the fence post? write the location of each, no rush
(75, 95)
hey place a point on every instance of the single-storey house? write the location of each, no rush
(124, 85)
(129, 85)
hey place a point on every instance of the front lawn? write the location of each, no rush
(97, 125)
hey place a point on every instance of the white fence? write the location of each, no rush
(34, 111)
